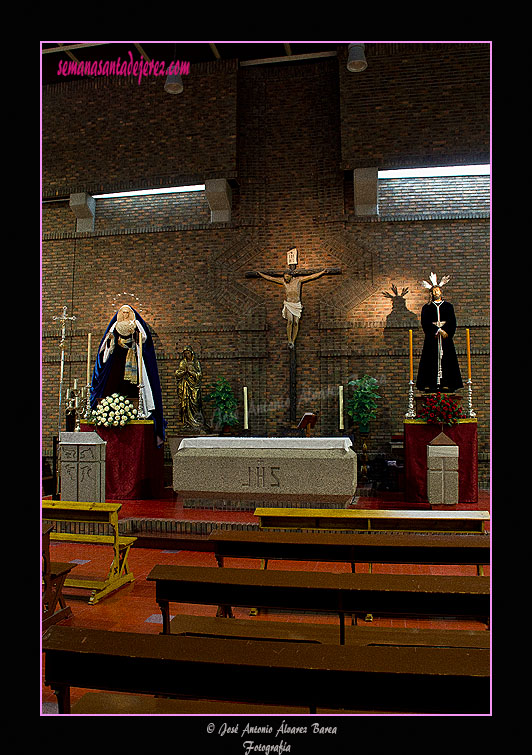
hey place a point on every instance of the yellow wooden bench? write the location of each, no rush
(105, 514)
(373, 520)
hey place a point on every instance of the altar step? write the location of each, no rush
(222, 504)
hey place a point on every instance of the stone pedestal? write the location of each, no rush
(442, 471)
(249, 472)
(82, 467)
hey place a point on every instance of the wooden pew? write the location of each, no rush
(355, 594)
(324, 634)
(103, 516)
(105, 703)
(353, 548)
(406, 679)
(54, 573)
(373, 520)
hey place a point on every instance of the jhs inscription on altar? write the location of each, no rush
(262, 476)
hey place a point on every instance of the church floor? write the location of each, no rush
(133, 608)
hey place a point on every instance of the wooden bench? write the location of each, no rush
(94, 515)
(54, 573)
(353, 548)
(125, 704)
(105, 703)
(355, 594)
(324, 634)
(373, 520)
(419, 679)
(54, 607)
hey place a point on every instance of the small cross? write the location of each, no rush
(63, 318)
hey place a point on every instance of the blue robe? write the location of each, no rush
(107, 378)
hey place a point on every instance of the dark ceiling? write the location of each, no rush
(193, 52)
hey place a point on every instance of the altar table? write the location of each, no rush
(310, 444)
(274, 470)
(418, 434)
(134, 465)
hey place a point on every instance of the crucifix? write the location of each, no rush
(62, 318)
(292, 279)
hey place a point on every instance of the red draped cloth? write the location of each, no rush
(418, 434)
(134, 466)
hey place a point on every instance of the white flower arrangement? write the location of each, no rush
(114, 411)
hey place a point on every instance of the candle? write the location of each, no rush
(411, 356)
(245, 408)
(468, 355)
(341, 405)
(76, 384)
(89, 359)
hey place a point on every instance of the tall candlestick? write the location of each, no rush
(245, 408)
(89, 359)
(411, 355)
(341, 405)
(468, 355)
(141, 412)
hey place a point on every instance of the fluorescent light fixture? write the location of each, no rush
(147, 192)
(455, 170)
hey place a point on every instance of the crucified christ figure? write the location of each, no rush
(292, 306)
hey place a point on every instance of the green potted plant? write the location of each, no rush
(225, 404)
(362, 404)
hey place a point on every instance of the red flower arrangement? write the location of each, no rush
(441, 409)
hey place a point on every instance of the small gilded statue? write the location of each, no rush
(189, 403)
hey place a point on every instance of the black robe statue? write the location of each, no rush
(427, 375)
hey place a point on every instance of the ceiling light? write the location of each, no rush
(173, 84)
(356, 60)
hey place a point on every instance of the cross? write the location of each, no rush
(62, 318)
(292, 306)
(292, 279)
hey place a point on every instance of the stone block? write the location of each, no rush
(290, 471)
(219, 196)
(442, 471)
(365, 185)
(435, 487)
(450, 463)
(82, 467)
(450, 488)
(83, 206)
(435, 462)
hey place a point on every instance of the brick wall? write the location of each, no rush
(285, 137)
